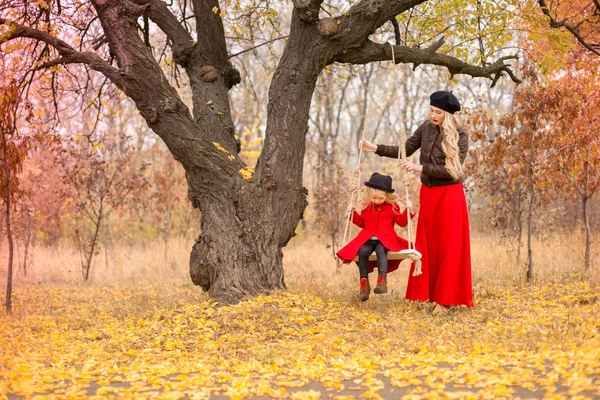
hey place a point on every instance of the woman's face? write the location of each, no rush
(437, 115)
(378, 197)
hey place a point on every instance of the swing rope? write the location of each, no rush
(355, 186)
(411, 253)
(403, 175)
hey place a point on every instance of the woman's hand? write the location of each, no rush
(409, 204)
(411, 166)
(365, 145)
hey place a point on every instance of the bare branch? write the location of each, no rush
(573, 183)
(68, 54)
(258, 45)
(161, 15)
(371, 51)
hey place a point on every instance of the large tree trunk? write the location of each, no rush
(245, 226)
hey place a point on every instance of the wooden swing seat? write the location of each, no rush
(397, 255)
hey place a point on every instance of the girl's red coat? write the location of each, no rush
(377, 221)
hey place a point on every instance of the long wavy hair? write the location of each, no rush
(450, 145)
(391, 198)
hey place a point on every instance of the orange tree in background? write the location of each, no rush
(523, 148)
(577, 148)
(102, 178)
(580, 18)
(164, 201)
(497, 176)
(13, 150)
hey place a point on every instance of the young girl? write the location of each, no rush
(443, 236)
(380, 211)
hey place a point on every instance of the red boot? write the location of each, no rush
(381, 285)
(365, 289)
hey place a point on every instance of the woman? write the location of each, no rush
(443, 236)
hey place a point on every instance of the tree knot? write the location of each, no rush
(328, 27)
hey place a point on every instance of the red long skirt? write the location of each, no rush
(443, 239)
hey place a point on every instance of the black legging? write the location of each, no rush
(363, 258)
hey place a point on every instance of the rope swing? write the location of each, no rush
(410, 253)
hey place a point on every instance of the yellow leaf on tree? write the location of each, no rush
(247, 172)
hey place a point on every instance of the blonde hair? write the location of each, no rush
(391, 198)
(449, 130)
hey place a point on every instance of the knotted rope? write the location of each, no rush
(403, 175)
(356, 175)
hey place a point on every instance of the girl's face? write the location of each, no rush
(437, 115)
(378, 197)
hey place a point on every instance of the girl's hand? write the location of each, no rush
(406, 204)
(411, 166)
(365, 145)
(349, 209)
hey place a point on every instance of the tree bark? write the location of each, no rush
(88, 262)
(519, 225)
(244, 228)
(529, 273)
(586, 221)
(9, 280)
(28, 232)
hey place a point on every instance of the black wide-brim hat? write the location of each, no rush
(381, 182)
(445, 101)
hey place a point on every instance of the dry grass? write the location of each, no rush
(163, 337)
(309, 265)
(311, 268)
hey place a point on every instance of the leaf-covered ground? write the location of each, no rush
(171, 342)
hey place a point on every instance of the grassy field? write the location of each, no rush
(139, 329)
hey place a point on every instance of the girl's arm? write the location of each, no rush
(401, 219)
(356, 219)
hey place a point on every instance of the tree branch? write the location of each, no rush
(371, 51)
(397, 36)
(183, 43)
(68, 54)
(308, 10)
(258, 45)
(573, 183)
(574, 29)
(211, 33)
(366, 16)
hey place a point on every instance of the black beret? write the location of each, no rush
(445, 100)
